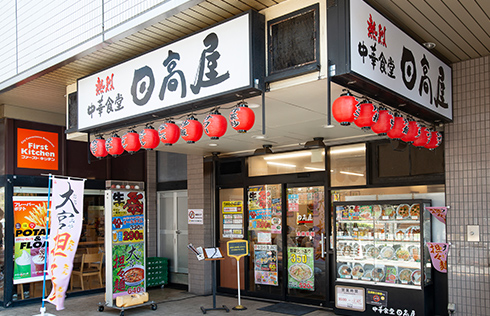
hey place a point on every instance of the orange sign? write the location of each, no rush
(37, 149)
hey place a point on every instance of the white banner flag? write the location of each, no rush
(66, 225)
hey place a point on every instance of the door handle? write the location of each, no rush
(323, 246)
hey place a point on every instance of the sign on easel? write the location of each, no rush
(237, 249)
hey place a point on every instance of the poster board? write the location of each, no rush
(125, 243)
(30, 215)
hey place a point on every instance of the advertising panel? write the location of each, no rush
(37, 149)
(125, 244)
(30, 215)
(300, 268)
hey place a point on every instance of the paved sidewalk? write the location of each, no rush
(169, 302)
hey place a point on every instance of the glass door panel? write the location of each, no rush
(306, 269)
(265, 238)
(231, 226)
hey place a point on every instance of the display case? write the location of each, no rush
(383, 242)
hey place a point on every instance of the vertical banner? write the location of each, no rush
(30, 215)
(66, 216)
(438, 255)
(128, 243)
(300, 268)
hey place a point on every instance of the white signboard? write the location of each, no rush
(195, 217)
(206, 64)
(352, 298)
(384, 54)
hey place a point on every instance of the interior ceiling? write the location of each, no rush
(459, 28)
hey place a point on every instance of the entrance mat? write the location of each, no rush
(288, 309)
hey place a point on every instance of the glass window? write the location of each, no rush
(171, 167)
(292, 162)
(348, 165)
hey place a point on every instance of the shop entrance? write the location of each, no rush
(305, 244)
(173, 233)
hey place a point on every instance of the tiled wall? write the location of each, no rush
(467, 156)
(151, 204)
(199, 197)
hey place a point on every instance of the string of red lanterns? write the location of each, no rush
(214, 125)
(347, 109)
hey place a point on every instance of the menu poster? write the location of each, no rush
(438, 254)
(232, 207)
(128, 269)
(438, 212)
(300, 268)
(30, 216)
(276, 216)
(260, 219)
(232, 219)
(128, 247)
(266, 264)
(293, 203)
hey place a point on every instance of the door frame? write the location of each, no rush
(175, 195)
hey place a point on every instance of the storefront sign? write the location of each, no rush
(300, 268)
(237, 248)
(66, 216)
(265, 264)
(205, 65)
(125, 243)
(381, 310)
(352, 298)
(439, 213)
(377, 297)
(37, 149)
(30, 215)
(384, 54)
(195, 217)
(438, 255)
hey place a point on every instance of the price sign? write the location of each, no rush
(300, 268)
(237, 248)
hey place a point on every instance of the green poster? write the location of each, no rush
(300, 268)
(128, 271)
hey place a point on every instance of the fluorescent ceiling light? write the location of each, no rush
(314, 168)
(281, 164)
(347, 150)
(290, 155)
(352, 173)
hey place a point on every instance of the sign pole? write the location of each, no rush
(238, 249)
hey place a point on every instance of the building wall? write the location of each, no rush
(39, 34)
(467, 142)
(199, 197)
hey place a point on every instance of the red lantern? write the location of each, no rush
(215, 125)
(413, 132)
(423, 139)
(242, 118)
(435, 140)
(169, 133)
(131, 142)
(366, 115)
(149, 138)
(113, 145)
(97, 147)
(191, 130)
(400, 128)
(385, 122)
(344, 107)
